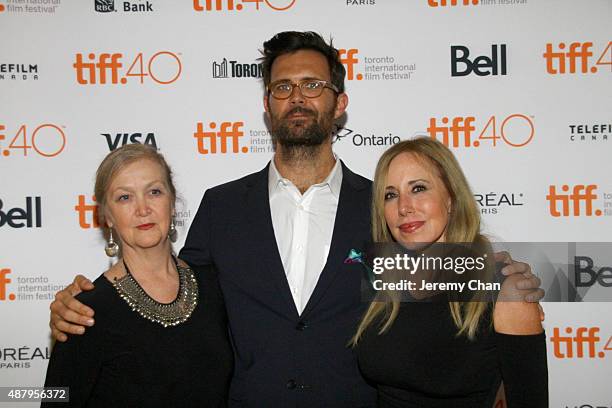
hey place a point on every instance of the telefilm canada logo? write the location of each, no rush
(18, 72)
(234, 69)
(108, 6)
(590, 132)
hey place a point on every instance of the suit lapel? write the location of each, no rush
(354, 196)
(259, 219)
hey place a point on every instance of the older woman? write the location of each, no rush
(160, 337)
(443, 354)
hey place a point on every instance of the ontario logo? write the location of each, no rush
(361, 138)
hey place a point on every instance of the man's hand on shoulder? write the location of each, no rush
(68, 315)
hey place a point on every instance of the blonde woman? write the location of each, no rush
(444, 354)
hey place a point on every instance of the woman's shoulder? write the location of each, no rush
(101, 297)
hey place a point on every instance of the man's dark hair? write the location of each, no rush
(292, 41)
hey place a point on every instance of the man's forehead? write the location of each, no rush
(301, 64)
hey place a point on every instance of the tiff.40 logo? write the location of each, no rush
(220, 138)
(444, 3)
(106, 68)
(583, 343)
(516, 130)
(4, 281)
(577, 58)
(581, 194)
(238, 5)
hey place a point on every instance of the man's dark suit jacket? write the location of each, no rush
(284, 359)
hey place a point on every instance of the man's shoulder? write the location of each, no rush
(356, 180)
(239, 184)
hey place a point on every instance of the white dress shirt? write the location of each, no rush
(303, 226)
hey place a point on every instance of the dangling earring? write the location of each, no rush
(172, 233)
(111, 247)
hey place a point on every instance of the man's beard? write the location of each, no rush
(301, 138)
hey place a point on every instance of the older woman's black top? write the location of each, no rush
(420, 362)
(125, 360)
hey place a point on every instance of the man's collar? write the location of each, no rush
(333, 179)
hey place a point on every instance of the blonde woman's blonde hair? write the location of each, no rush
(463, 227)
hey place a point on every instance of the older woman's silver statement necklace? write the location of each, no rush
(166, 314)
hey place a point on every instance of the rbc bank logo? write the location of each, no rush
(577, 203)
(116, 140)
(108, 68)
(584, 342)
(516, 130)
(4, 281)
(88, 213)
(105, 6)
(236, 69)
(461, 65)
(220, 139)
(577, 58)
(28, 217)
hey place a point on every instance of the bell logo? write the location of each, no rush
(4, 281)
(481, 66)
(579, 54)
(15, 217)
(580, 194)
(585, 275)
(444, 3)
(568, 346)
(121, 139)
(212, 142)
(348, 57)
(88, 213)
(516, 130)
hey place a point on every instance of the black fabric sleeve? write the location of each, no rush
(196, 251)
(76, 364)
(522, 360)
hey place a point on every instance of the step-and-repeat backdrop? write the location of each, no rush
(519, 89)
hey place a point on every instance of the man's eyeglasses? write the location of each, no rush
(310, 88)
